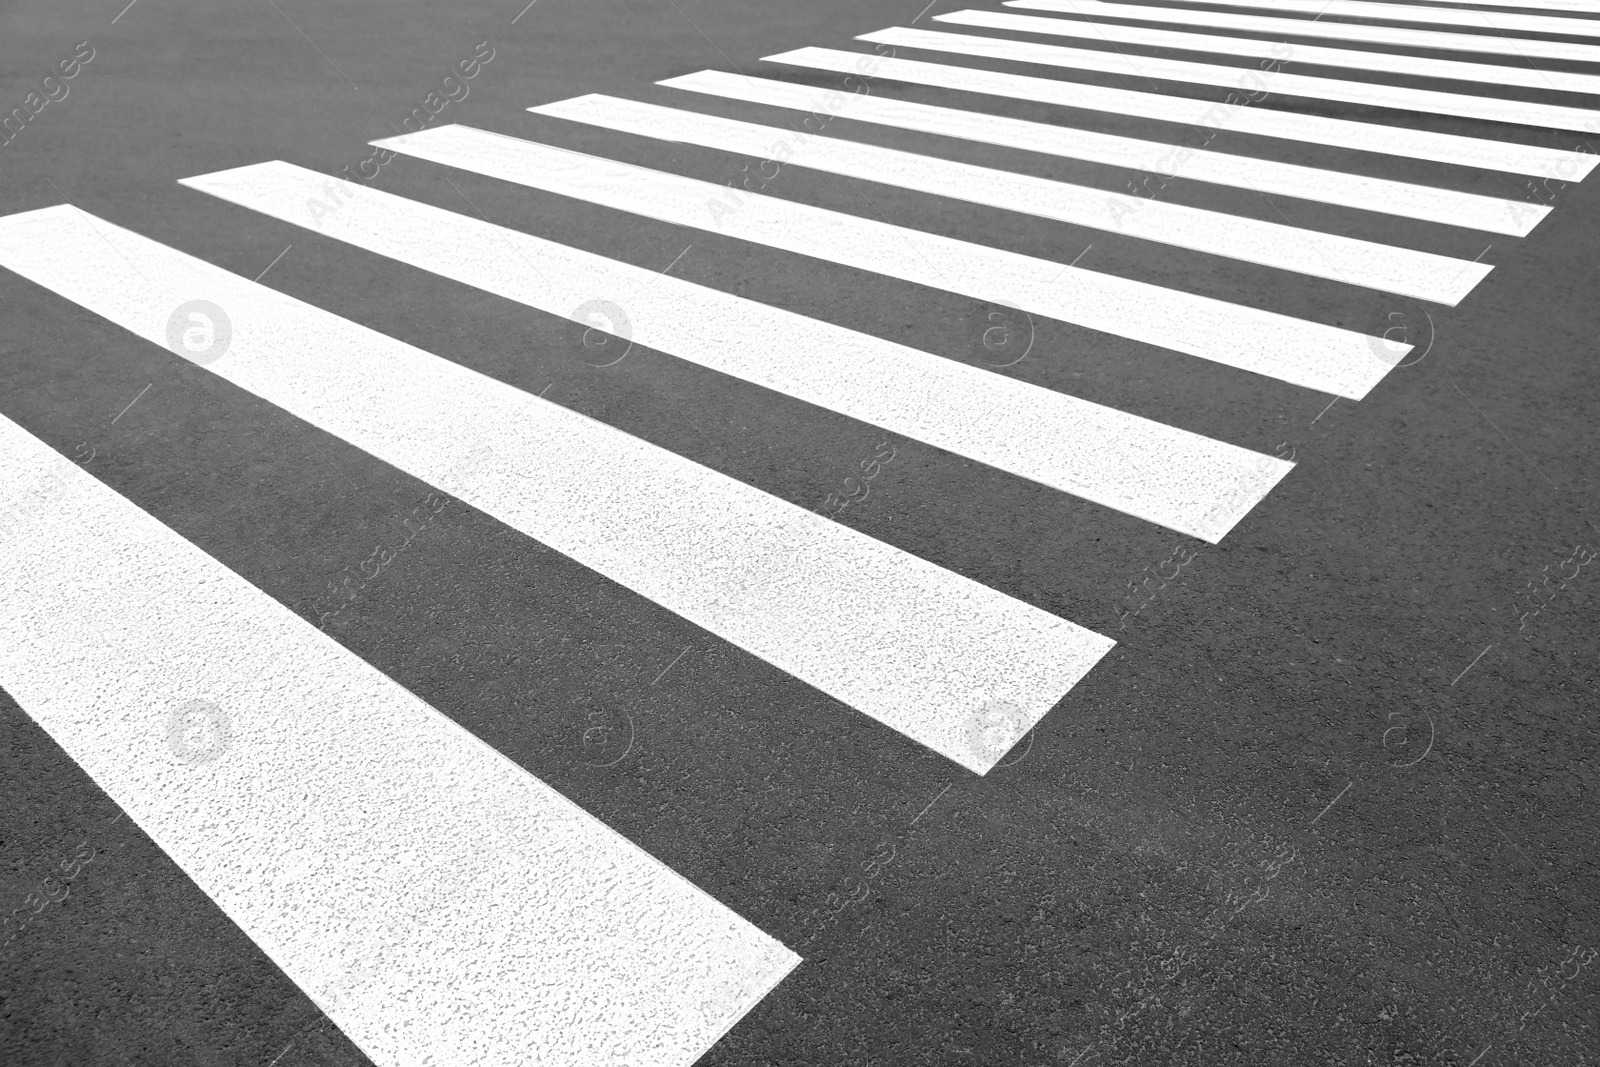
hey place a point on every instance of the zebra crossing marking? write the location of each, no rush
(1438, 15)
(1483, 153)
(915, 646)
(1403, 36)
(1316, 55)
(1316, 253)
(342, 823)
(1293, 350)
(1184, 481)
(1370, 94)
(1423, 202)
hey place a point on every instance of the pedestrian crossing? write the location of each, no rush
(1470, 16)
(1360, 191)
(342, 823)
(1186, 482)
(917, 647)
(1496, 44)
(1224, 76)
(1251, 48)
(1441, 279)
(1304, 353)
(1591, 7)
(1477, 152)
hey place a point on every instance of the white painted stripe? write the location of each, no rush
(1322, 255)
(1441, 16)
(1401, 36)
(1181, 480)
(1317, 55)
(439, 903)
(1427, 203)
(1259, 121)
(913, 645)
(1249, 79)
(1289, 349)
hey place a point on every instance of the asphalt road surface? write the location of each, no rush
(1055, 535)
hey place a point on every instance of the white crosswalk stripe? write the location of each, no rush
(337, 819)
(1292, 350)
(1265, 122)
(1403, 36)
(913, 645)
(1356, 59)
(1423, 202)
(1371, 94)
(1384, 267)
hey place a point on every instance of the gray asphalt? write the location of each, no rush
(1324, 803)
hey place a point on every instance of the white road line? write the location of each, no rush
(1260, 121)
(1400, 36)
(915, 646)
(1181, 480)
(1436, 15)
(1386, 268)
(1316, 55)
(1427, 203)
(1292, 350)
(1249, 79)
(376, 851)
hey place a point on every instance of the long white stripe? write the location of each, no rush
(914, 645)
(1292, 350)
(1423, 202)
(1317, 55)
(1321, 255)
(1438, 15)
(1189, 483)
(1264, 122)
(1249, 79)
(437, 901)
(1401, 36)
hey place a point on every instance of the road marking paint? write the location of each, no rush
(1186, 482)
(909, 643)
(376, 851)
(1438, 15)
(1289, 349)
(1264, 122)
(1387, 268)
(1426, 203)
(1316, 55)
(1402, 36)
(1370, 94)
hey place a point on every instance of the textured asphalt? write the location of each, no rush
(1324, 802)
